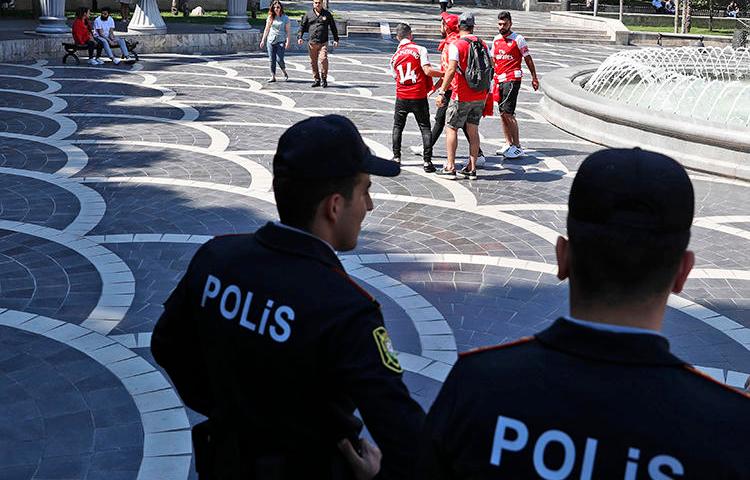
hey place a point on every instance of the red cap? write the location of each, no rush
(451, 21)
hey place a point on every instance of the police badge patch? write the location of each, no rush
(385, 347)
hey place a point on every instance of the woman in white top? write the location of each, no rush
(277, 35)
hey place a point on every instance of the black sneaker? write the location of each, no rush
(448, 174)
(325, 83)
(316, 83)
(470, 174)
(429, 167)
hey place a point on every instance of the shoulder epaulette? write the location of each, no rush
(496, 347)
(695, 371)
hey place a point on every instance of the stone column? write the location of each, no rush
(236, 15)
(147, 19)
(53, 17)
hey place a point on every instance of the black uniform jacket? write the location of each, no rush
(270, 338)
(578, 403)
(318, 26)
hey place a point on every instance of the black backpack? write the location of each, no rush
(479, 69)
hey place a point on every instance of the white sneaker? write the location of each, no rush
(92, 61)
(417, 150)
(503, 149)
(116, 61)
(481, 160)
(99, 61)
(514, 152)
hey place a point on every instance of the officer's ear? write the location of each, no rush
(562, 250)
(331, 206)
(683, 271)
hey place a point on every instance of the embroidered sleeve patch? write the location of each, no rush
(385, 347)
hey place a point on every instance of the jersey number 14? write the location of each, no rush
(410, 74)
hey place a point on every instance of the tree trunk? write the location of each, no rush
(686, 20)
(677, 16)
(710, 15)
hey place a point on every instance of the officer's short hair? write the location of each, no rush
(629, 218)
(504, 15)
(403, 30)
(297, 199)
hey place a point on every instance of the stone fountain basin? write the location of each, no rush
(699, 145)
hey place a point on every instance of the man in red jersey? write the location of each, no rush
(411, 68)
(508, 48)
(449, 31)
(466, 104)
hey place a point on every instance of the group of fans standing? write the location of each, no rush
(472, 78)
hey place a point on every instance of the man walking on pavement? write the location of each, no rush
(508, 48)
(449, 31)
(317, 21)
(466, 104)
(411, 68)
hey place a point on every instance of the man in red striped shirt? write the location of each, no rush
(411, 68)
(508, 48)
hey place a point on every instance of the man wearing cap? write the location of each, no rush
(466, 104)
(598, 393)
(410, 67)
(449, 32)
(269, 337)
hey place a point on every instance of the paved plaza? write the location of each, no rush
(111, 178)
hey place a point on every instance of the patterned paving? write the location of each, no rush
(111, 178)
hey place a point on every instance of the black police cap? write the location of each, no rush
(632, 190)
(327, 147)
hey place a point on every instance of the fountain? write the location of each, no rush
(692, 103)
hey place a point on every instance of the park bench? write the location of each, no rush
(682, 36)
(71, 50)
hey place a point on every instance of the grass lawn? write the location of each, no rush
(220, 16)
(693, 31)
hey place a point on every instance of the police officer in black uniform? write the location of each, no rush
(268, 336)
(598, 395)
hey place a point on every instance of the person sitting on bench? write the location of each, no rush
(104, 33)
(82, 34)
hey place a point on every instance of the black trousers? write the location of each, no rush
(421, 110)
(437, 129)
(91, 44)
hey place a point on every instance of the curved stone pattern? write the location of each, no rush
(110, 179)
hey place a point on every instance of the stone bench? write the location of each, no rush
(680, 36)
(71, 50)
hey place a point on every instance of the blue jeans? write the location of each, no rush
(108, 51)
(276, 51)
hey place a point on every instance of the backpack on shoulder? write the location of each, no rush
(479, 70)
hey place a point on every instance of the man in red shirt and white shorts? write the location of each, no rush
(508, 48)
(466, 104)
(411, 68)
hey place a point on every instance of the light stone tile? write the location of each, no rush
(111, 354)
(736, 379)
(147, 382)
(397, 292)
(722, 323)
(41, 324)
(438, 342)
(715, 373)
(13, 318)
(165, 468)
(425, 314)
(437, 371)
(382, 281)
(414, 302)
(167, 443)
(67, 332)
(127, 340)
(437, 327)
(130, 367)
(445, 356)
(165, 420)
(158, 400)
(90, 342)
(412, 363)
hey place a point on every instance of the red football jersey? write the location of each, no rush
(507, 53)
(459, 51)
(406, 66)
